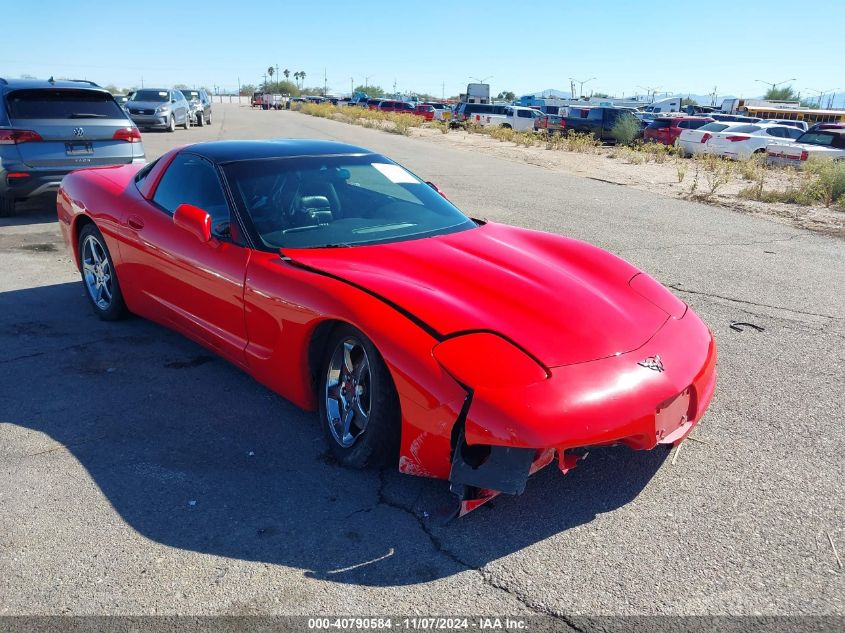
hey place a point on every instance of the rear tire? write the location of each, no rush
(99, 276)
(171, 124)
(354, 382)
(7, 207)
(187, 121)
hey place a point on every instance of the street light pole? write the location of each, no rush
(651, 91)
(821, 94)
(773, 84)
(581, 84)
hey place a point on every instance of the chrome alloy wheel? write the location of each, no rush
(97, 272)
(347, 394)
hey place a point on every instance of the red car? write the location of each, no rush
(666, 130)
(450, 347)
(396, 106)
(425, 111)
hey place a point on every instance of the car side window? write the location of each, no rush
(793, 133)
(144, 172)
(191, 179)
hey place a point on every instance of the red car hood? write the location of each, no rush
(562, 300)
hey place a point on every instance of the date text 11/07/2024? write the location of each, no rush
(418, 623)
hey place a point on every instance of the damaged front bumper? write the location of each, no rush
(654, 395)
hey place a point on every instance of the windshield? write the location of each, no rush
(338, 201)
(191, 94)
(745, 129)
(151, 95)
(713, 127)
(819, 138)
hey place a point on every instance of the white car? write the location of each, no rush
(801, 125)
(821, 143)
(692, 142)
(743, 141)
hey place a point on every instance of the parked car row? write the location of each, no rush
(428, 111)
(167, 108)
(738, 141)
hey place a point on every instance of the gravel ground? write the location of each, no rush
(142, 475)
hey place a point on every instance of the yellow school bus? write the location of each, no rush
(811, 116)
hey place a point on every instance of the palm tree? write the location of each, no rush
(286, 73)
(302, 77)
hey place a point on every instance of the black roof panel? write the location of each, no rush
(226, 151)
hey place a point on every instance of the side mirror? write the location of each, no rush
(436, 188)
(194, 220)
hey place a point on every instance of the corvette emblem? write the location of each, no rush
(653, 363)
(78, 131)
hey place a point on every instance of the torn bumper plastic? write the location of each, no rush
(654, 395)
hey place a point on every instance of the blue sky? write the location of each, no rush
(682, 47)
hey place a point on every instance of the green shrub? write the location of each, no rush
(828, 180)
(502, 133)
(717, 172)
(582, 143)
(752, 168)
(656, 152)
(626, 129)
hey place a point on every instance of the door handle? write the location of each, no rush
(135, 222)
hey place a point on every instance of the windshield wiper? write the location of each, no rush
(87, 115)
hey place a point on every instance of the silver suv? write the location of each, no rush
(162, 108)
(200, 104)
(50, 128)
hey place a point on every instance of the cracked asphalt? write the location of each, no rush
(141, 475)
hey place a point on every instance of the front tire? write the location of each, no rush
(358, 403)
(99, 276)
(7, 207)
(200, 119)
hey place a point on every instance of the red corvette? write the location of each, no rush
(460, 349)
